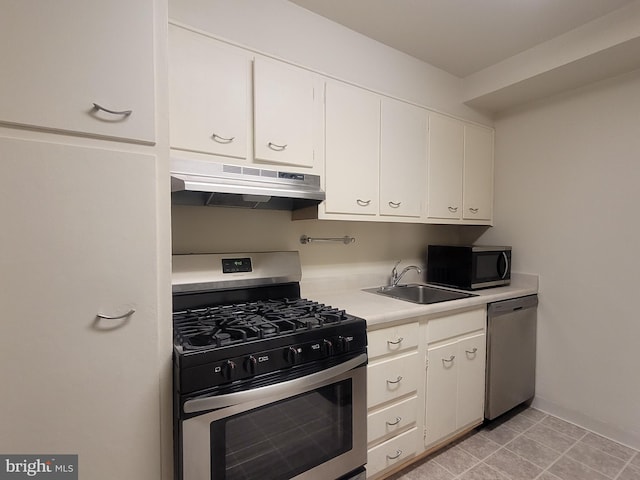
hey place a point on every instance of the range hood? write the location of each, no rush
(198, 182)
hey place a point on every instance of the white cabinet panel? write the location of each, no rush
(59, 58)
(446, 155)
(442, 385)
(352, 149)
(392, 452)
(403, 158)
(392, 340)
(471, 379)
(209, 94)
(392, 378)
(478, 173)
(80, 239)
(284, 112)
(392, 419)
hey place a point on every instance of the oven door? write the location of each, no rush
(307, 428)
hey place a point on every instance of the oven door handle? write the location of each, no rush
(209, 403)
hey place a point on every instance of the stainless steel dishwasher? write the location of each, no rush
(511, 354)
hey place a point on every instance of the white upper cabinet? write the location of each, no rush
(403, 154)
(209, 94)
(478, 173)
(352, 150)
(446, 155)
(60, 60)
(460, 172)
(283, 113)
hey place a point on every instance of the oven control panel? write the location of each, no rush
(285, 356)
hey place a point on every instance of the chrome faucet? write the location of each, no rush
(396, 277)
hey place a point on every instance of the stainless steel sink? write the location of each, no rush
(418, 293)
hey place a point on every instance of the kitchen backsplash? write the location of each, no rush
(377, 245)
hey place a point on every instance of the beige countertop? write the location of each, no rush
(378, 309)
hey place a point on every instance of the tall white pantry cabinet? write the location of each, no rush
(84, 244)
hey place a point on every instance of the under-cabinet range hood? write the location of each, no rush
(198, 182)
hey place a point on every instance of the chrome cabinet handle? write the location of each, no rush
(220, 139)
(397, 421)
(453, 209)
(393, 457)
(473, 210)
(397, 342)
(449, 360)
(124, 113)
(363, 203)
(116, 317)
(397, 380)
(471, 352)
(276, 147)
(394, 204)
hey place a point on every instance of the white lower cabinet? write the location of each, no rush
(393, 382)
(392, 452)
(455, 378)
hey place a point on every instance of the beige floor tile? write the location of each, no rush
(533, 451)
(512, 465)
(596, 459)
(608, 446)
(501, 434)
(455, 460)
(550, 438)
(533, 414)
(568, 469)
(479, 446)
(636, 460)
(426, 470)
(520, 423)
(566, 428)
(483, 472)
(630, 473)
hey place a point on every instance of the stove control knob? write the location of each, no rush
(251, 365)
(228, 370)
(292, 355)
(345, 343)
(327, 347)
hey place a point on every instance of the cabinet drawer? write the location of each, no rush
(392, 452)
(392, 340)
(391, 419)
(455, 325)
(392, 378)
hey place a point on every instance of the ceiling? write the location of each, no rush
(462, 36)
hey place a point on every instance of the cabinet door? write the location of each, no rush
(471, 377)
(209, 92)
(478, 173)
(446, 155)
(59, 58)
(80, 240)
(403, 158)
(283, 122)
(352, 152)
(442, 381)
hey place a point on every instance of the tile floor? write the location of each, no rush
(528, 445)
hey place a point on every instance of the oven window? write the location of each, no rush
(283, 439)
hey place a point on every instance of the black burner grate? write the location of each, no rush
(223, 325)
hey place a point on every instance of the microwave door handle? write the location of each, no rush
(506, 265)
(207, 403)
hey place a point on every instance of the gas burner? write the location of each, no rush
(218, 326)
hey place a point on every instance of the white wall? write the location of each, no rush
(285, 30)
(567, 198)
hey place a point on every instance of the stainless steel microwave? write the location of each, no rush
(468, 267)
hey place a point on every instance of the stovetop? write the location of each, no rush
(223, 325)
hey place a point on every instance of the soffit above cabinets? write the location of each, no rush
(506, 52)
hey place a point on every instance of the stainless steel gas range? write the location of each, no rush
(267, 385)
